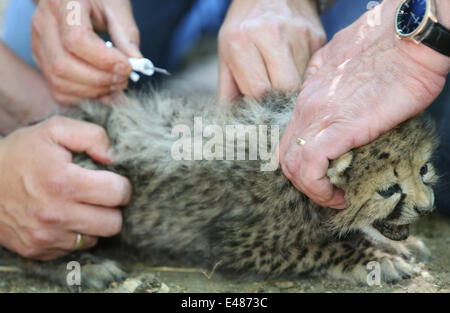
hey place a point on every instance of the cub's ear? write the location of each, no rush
(338, 167)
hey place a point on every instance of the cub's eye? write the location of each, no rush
(387, 193)
(424, 170)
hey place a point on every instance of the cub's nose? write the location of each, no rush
(422, 211)
(427, 206)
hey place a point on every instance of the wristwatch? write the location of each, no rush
(416, 20)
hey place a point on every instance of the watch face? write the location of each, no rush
(410, 16)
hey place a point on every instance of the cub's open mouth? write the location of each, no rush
(391, 231)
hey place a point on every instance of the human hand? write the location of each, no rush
(46, 200)
(360, 85)
(73, 58)
(265, 45)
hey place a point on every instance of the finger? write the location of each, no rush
(95, 221)
(101, 188)
(56, 61)
(337, 201)
(66, 242)
(82, 41)
(81, 136)
(70, 244)
(315, 63)
(228, 90)
(115, 97)
(67, 100)
(77, 90)
(49, 255)
(312, 174)
(280, 63)
(123, 29)
(249, 70)
(77, 71)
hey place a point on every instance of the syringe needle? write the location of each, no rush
(161, 70)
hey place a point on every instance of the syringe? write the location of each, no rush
(142, 65)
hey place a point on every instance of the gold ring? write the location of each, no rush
(301, 142)
(80, 242)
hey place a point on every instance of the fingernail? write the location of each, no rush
(121, 69)
(137, 53)
(110, 155)
(323, 200)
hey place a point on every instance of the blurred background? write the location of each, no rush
(3, 4)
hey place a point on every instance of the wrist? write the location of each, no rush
(427, 57)
(442, 7)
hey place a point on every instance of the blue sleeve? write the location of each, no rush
(17, 28)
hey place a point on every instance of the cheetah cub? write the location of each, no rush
(253, 222)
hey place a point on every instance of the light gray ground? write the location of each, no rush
(435, 229)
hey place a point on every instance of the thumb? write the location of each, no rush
(80, 136)
(122, 28)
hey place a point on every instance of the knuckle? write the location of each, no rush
(259, 90)
(57, 184)
(56, 87)
(55, 122)
(98, 133)
(272, 26)
(302, 30)
(49, 216)
(40, 239)
(58, 67)
(319, 40)
(74, 38)
(115, 225)
(233, 33)
(104, 81)
(54, 3)
(290, 169)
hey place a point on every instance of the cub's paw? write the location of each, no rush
(413, 249)
(418, 249)
(365, 267)
(99, 274)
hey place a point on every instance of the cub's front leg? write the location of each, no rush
(337, 260)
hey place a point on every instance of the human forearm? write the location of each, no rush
(24, 96)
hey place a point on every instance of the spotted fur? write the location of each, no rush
(257, 223)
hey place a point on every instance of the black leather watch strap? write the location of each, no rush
(438, 38)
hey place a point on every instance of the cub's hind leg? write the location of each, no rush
(95, 273)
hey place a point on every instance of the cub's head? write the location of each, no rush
(387, 183)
